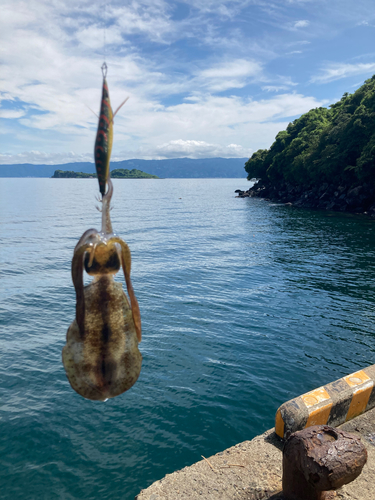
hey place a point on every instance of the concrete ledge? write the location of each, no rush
(250, 470)
(256, 471)
(332, 404)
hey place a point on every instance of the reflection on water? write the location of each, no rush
(245, 304)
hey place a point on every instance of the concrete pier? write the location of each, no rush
(252, 470)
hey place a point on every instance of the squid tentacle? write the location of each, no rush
(77, 277)
(91, 235)
(126, 266)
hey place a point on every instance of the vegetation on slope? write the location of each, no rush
(334, 146)
(69, 174)
(124, 173)
(120, 173)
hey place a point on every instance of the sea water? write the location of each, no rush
(245, 304)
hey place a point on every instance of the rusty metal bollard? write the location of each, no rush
(320, 459)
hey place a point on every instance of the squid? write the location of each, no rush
(101, 356)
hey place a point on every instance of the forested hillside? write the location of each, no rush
(119, 173)
(334, 148)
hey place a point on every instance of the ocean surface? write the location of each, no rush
(245, 304)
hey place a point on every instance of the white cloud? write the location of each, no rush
(8, 113)
(230, 75)
(274, 88)
(336, 71)
(239, 68)
(200, 149)
(94, 38)
(151, 19)
(301, 24)
(40, 157)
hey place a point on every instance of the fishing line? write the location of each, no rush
(105, 33)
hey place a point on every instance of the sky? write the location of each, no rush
(205, 78)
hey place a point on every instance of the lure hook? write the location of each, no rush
(104, 70)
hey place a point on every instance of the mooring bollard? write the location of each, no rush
(320, 459)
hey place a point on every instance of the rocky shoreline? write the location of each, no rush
(359, 199)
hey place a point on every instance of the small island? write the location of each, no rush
(120, 173)
(325, 159)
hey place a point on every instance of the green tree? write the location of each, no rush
(332, 145)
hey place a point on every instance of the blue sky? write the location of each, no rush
(205, 78)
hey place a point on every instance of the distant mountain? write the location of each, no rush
(175, 168)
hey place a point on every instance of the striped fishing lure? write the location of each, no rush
(104, 135)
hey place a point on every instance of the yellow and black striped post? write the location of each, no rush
(332, 404)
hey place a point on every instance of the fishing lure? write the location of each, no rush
(104, 135)
(101, 355)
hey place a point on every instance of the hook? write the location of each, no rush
(104, 70)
